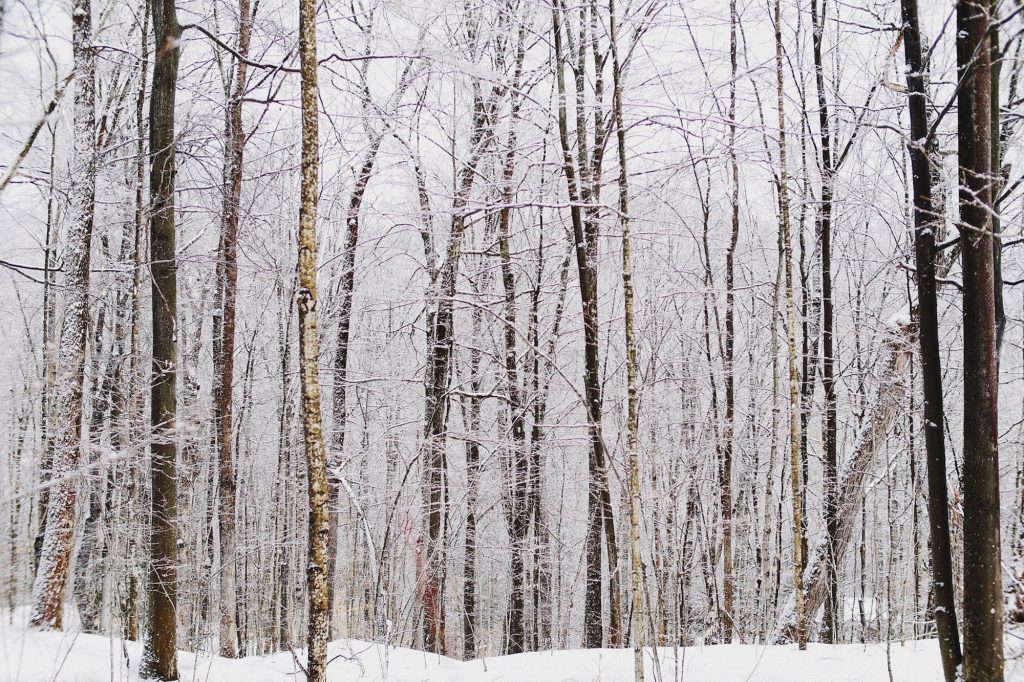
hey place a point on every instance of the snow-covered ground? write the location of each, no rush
(27, 656)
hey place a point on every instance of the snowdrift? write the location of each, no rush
(29, 656)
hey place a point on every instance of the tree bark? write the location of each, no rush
(440, 343)
(224, 346)
(472, 412)
(925, 226)
(586, 251)
(983, 599)
(794, 399)
(632, 381)
(725, 467)
(309, 354)
(52, 572)
(517, 507)
(832, 622)
(160, 660)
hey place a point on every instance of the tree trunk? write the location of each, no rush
(832, 621)
(340, 378)
(925, 226)
(632, 381)
(440, 343)
(983, 598)
(794, 399)
(160, 660)
(224, 346)
(472, 411)
(517, 508)
(585, 240)
(725, 467)
(309, 354)
(54, 559)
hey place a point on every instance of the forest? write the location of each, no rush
(342, 335)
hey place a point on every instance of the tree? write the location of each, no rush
(832, 621)
(925, 226)
(632, 388)
(794, 400)
(983, 598)
(363, 175)
(582, 178)
(725, 469)
(52, 572)
(160, 658)
(224, 336)
(517, 506)
(440, 340)
(309, 354)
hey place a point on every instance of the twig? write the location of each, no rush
(58, 93)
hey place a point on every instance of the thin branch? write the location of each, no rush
(291, 69)
(58, 93)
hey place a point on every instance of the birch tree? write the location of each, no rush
(309, 354)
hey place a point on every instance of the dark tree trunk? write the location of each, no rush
(440, 343)
(224, 343)
(725, 466)
(472, 411)
(160, 660)
(829, 437)
(517, 505)
(584, 236)
(925, 225)
(983, 598)
(340, 379)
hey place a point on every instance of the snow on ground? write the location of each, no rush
(28, 656)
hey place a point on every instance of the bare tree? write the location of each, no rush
(224, 337)
(160, 659)
(52, 572)
(926, 224)
(632, 381)
(309, 354)
(983, 598)
(794, 400)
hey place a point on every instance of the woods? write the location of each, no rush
(644, 326)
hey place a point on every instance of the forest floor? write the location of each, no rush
(28, 656)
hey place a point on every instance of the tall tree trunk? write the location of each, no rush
(54, 559)
(160, 659)
(309, 353)
(586, 247)
(224, 346)
(283, 527)
(339, 407)
(832, 621)
(49, 365)
(517, 509)
(725, 467)
(542, 545)
(983, 598)
(440, 343)
(632, 387)
(925, 225)
(472, 412)
(91, 550)
(340, 378)
(130, 607)
(794, 399)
